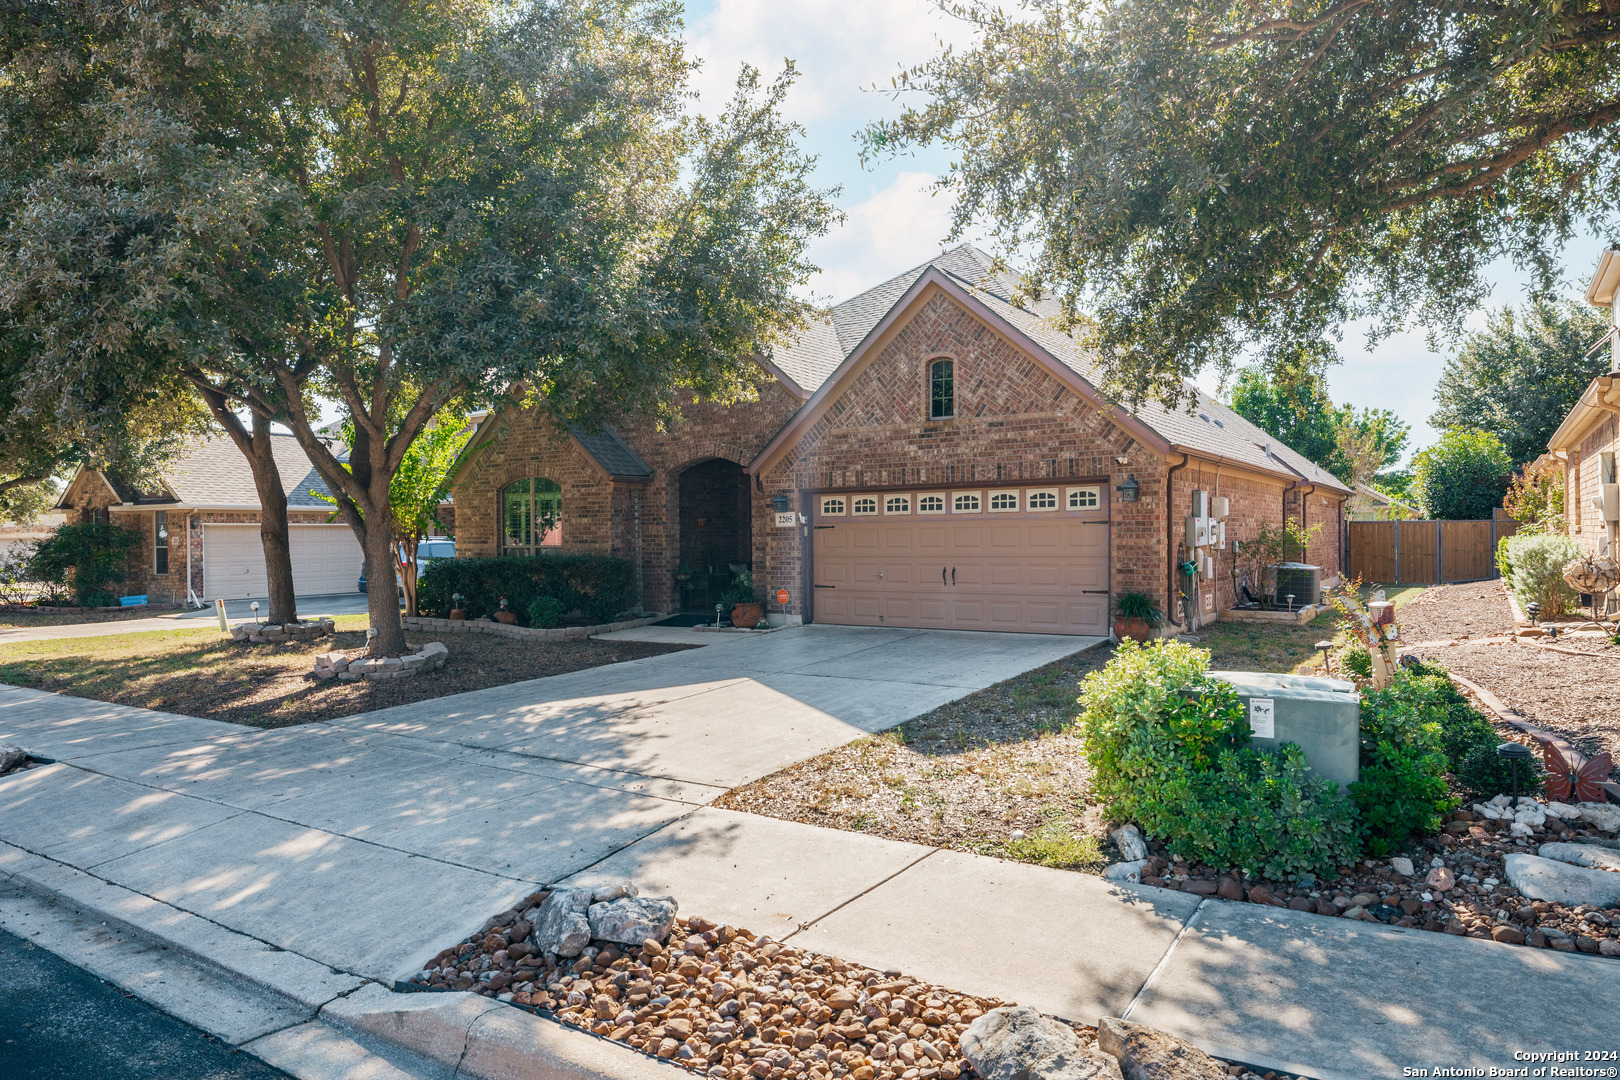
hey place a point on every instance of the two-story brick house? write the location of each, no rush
(929, 454)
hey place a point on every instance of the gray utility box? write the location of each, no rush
(1322, 715)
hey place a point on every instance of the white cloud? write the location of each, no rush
(896, 228)
(840, 47)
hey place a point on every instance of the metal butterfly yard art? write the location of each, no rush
(1568, 776)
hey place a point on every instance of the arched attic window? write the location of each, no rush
(531, 510)
(941, 389)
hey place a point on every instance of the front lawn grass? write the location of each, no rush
(201, 672)
(17, 620)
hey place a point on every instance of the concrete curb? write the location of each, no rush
(464, 1033)
(483, 1038)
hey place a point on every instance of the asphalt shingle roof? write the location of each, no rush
(612, 453)
(213, 472)
(1211, 427)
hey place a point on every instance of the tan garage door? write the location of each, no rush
(325, 559)
(1030, 559)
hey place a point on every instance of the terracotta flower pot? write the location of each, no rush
(458, 614)
(1134, 629)
(747, 615)
(507, 617)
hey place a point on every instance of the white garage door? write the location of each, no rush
(325, 559)
(1033, 560)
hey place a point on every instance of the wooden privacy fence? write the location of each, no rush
(1426, 552)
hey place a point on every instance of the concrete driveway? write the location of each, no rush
(236, 611)
(302, 837)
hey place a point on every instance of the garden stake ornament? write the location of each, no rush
(1358, 622)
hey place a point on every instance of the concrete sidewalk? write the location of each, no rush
(357, 849)
(236, 611)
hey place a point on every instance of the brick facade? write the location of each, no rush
(642, 522)
(1585, 479)
(1015, 421)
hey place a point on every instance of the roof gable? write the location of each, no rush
(824, 354)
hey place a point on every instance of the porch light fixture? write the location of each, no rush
(1130, 490)
(1513, 753)
(781, 503)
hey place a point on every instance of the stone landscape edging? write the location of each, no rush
(425, 624)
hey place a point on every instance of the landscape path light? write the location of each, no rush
(1513, 753)
(1325, 646)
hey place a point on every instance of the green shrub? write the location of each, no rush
(546, 612)
(88, 556)
(1504, 566)
(1402, 789)
(598, 587)
(1356, 660)
(1469, 741)
(1169, 749)
(1536, 562)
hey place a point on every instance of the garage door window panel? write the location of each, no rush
(832, 507)
(532, 512)
(1004, 502)
(1042, 499)
(897, 504)
(865, 507)
(931, 504)
(1084, 498)
(966, 502)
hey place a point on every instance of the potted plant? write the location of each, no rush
(746, 609)
(683, 573)
(1135, 616)
(504, 616)
(457, 612)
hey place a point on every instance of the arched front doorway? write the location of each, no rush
(716, 535)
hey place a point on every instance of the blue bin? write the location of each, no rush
(131, 601)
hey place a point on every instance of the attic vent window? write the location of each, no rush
(941, 390)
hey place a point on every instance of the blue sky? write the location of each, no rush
(893, 223)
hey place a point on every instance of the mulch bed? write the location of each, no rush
(269, 686)
(723, 1002)
(967, 776)
(1569, 695)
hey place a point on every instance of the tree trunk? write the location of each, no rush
(273, 532)
(405, 549)
(258, 448)
(382, 594)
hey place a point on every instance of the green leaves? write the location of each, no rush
(1201, 176)
(1462, 477)
(1402, 789)
(1169, 749)
(1519, 376)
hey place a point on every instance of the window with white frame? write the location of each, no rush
(1041, 499)
(864, 506)
(1084, 498)
(897, 504)
(1002, 502)
(160, 542)
(930, 504)
(965, 502)
(832, 506)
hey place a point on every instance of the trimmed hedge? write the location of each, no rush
(596, 588)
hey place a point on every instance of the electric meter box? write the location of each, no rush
(1322, 715)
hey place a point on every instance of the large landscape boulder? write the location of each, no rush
(561, 925)
(1021, 1044)
(631, 920)
(1603, 816)
(1146, 1053)
(11, 757)
(1562, 883)
(1599, 858)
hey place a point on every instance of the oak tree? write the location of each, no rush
(1199, 177)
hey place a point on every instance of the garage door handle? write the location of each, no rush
(1103, 592)
(942, 575)
(824, 586)
(953, 576)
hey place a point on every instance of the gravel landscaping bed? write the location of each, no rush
(723, 1002)
(1455, 883)
(196, 673)
(1569, 695)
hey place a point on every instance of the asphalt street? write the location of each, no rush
(60, 1023)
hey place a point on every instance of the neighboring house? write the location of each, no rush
(15, 539)
(1588, 439)
(1370, 504)
(930, 455)
(200, 525)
